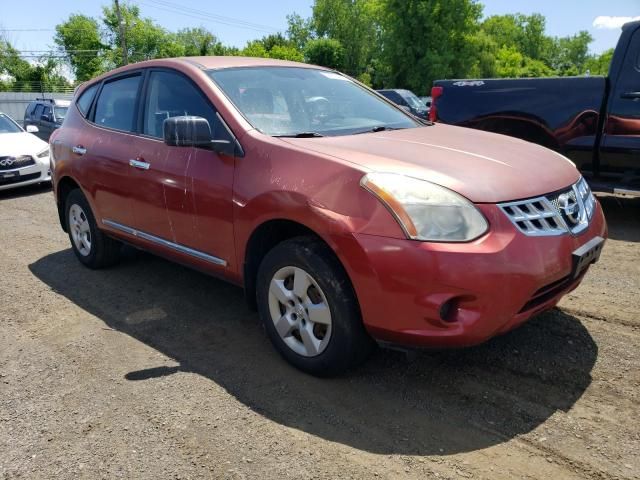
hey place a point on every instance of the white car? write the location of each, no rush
(24, 158)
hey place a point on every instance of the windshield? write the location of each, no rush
(412, 99)
(290, 101)
(60, 112)
(7, 125)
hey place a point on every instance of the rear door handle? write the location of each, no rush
(79, 150)
(142, 165)
(630, 95)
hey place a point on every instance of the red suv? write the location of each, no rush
(344, 218)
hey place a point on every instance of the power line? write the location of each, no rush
(204, 13)
(208, 17)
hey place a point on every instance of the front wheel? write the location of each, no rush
(92, 247)
(309, 309)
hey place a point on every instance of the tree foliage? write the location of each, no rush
(385, 43)
(327, 52)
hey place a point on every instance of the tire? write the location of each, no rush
(92, 247)
(332, 338)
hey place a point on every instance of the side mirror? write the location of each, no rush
(187, 131)
(191, 131)
(32, 129)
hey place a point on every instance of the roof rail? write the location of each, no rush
(50, 100)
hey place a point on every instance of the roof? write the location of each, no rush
(232, 61)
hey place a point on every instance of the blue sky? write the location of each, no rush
(564, 17)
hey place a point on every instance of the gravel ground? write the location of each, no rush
(151, 370)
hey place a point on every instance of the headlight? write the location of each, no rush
(43, 153)
(426, 211)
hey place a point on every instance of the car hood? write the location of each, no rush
(21, 143)
(484, 167)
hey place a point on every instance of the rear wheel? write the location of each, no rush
(308, 308)
(92, 247)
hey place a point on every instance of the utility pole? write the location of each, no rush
(123, 39)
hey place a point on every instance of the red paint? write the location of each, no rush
(213, 203)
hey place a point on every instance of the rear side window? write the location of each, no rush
(116, 105)
(84, 102)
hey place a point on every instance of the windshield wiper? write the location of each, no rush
(302, 135)
(377, 128)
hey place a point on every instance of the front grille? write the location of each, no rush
(19, 178)
(11, 163)
(557, 213)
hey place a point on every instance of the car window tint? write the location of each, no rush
(84, 102)
(46, 111)
(116, 104)
(172, 95)
(38, 112)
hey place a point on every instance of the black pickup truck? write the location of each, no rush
(595, 121)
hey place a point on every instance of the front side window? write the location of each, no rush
(116, 104)
(47, 112)
(290, 101)
(172, 95)
(8, 126)
(38, 112)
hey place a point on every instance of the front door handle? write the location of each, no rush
(142, 165)
(79, 150)
(630, 95)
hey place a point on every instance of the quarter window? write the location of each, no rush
(172, 95)
(84, 102)
(116, 104)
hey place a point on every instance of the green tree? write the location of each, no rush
(599, 64)
(524, 32)
(18, 74)
(199, 42)
(145, 39)
(568, 55)
(355, 24)
(326, 52)
(429, 39)
(299, 30)
(79, 37)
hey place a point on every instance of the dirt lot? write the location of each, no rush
(150, 370)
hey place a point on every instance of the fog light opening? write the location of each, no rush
(448, 310)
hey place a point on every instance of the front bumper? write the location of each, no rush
(36, 173)
(451, 295)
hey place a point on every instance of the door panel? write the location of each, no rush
(164, 178)
(620, 151)
(105, 164)
(189, 187)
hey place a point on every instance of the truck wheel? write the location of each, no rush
(309, 309)
(92, 247)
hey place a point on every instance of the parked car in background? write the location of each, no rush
(426, 101)
(344, 218)
(24, 158)
(595, 121)
(407, 100)
(47, 114)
